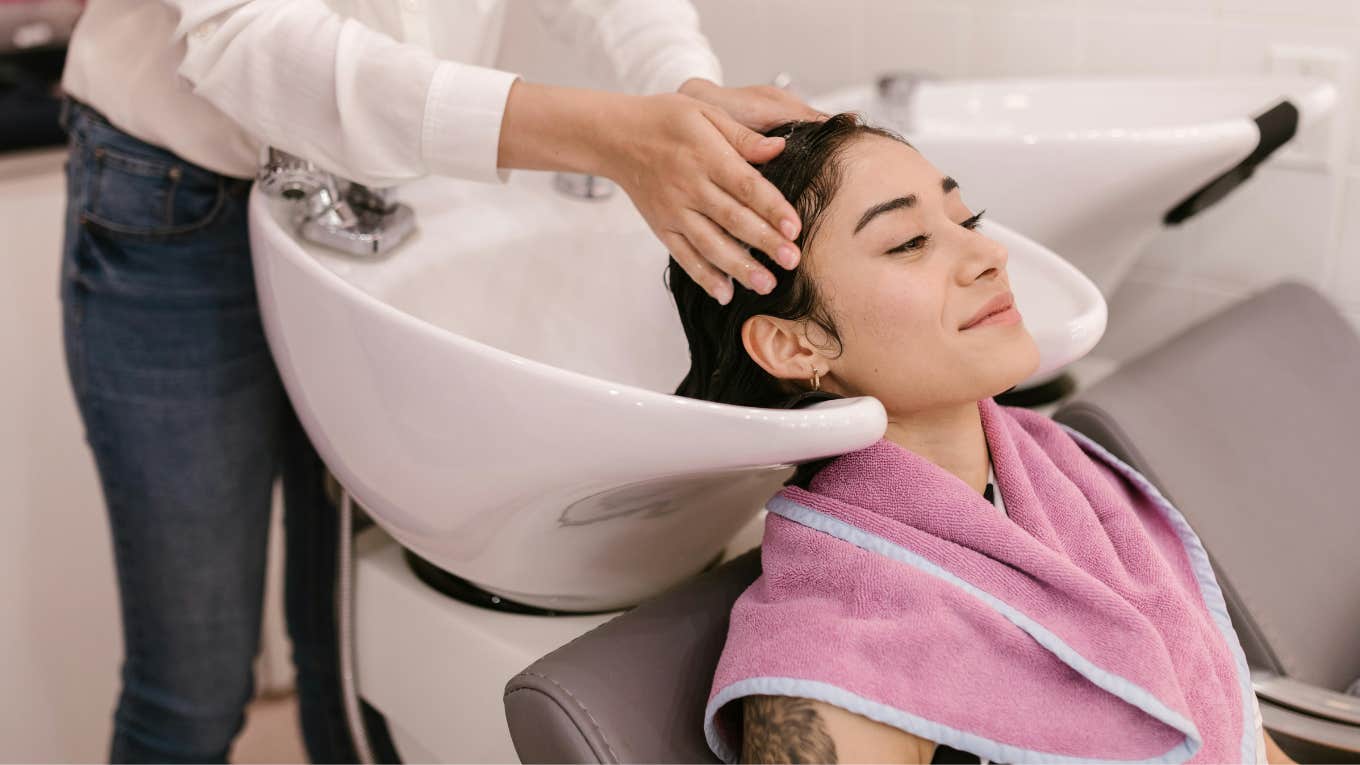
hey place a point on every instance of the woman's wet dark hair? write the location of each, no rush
(807, 172)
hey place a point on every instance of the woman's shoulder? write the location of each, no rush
(774, 727)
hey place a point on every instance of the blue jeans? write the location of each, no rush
(189, 425)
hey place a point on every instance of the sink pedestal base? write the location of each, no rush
(436, 668)
(461, 589)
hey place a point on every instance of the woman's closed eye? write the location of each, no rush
(919, 242)
(972, 223)
(911, 245)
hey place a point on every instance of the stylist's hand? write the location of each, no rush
(685, 163)
(758, 107)
(687, 167)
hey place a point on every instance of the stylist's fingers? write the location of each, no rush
(752, 146)
(685, 165)
(714, 282)
(747, 226)
(772, 106)
(726, 253)
(758, 107)
(787, 103)
(748, 186)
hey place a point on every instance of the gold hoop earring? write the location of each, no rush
(816, 380)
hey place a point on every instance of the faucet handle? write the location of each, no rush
(369, 198)
(289, 176)
(896, 88)
(346, 216)
(583, 186)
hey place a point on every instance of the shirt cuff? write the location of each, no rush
(461, 133)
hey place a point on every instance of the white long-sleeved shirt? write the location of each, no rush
(378, 91)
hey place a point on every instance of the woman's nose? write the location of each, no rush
(984, 257)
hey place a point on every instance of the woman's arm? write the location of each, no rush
(785, 729)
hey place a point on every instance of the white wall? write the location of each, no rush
(59, 635)
(1287, 222)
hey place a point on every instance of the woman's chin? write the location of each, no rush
(999, 389)
(1013, 364)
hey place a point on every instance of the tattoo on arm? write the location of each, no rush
(783, 729)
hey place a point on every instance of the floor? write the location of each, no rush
(271, 734)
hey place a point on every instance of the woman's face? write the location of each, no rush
(899, 266)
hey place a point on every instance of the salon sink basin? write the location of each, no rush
(1093, 168)
(496, 391)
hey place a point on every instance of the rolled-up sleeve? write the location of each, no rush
(300, 77)
(463, 115)
(646, 46)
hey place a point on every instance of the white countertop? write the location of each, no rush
(31, 162)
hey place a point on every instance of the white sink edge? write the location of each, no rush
(559, 375)
(1314, 98)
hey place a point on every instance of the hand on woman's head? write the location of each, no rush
(894, 269)
(758, 107)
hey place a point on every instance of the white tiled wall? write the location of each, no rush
(1287, 223)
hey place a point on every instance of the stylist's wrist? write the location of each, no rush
(552, 128)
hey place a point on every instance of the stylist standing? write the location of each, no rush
(183, 407)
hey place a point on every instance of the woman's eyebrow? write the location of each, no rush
(884, 207)
(947, 183)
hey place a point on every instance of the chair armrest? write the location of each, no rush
(1307, 699)
(1310, 739)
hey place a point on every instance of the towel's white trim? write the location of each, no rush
(1204, 575)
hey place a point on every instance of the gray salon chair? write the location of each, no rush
(1247, 422)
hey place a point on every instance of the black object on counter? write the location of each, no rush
(30, 98)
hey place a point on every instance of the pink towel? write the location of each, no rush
(1084, 624)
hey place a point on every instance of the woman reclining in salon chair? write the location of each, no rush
(981, 582)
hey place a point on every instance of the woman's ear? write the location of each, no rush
(781, 347)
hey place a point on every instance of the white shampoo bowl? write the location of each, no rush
(1090, 168)
(497, 392)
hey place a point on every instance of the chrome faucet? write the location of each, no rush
(583, 186)
(897, 94)
(329, 211)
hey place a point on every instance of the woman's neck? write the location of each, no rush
(951, 438)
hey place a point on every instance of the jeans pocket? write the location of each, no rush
(141, 195)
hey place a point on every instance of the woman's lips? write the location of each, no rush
(1006, 317)
(998, 310)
